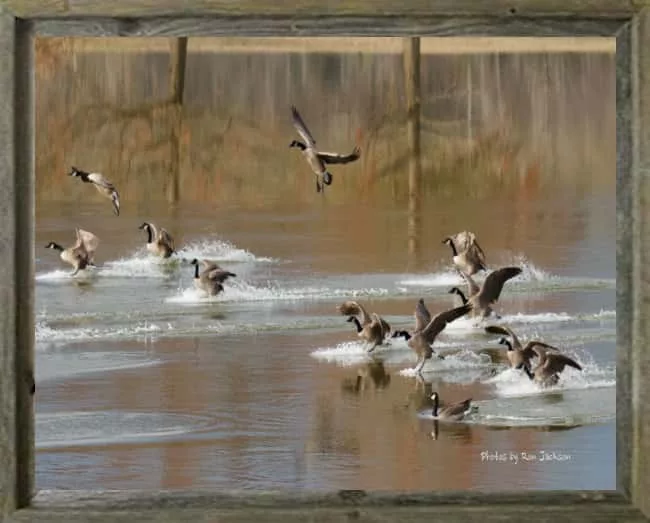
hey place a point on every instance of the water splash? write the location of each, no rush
(220, 251)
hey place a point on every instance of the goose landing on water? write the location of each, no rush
(81, 254)
(421, 340)
(551, 364)
(518, 355)
(159, 242)
(371, 328)
(105, 188)
(318, 160)
(210, 279)
(467, 255)
(483, 298)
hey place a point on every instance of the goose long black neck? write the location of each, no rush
(507, 343)
(450, 242)
(299, 144)
(150, 234)
(356, 322)
(528, 372)
(402, 334)
(434, 412)
(460, 293)
(196, 270)
(57, 247)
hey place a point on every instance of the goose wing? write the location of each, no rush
(301, 127)
(154, 232)
(422, 315)
(340, 158)
(99, 179)
(476, 251)
(556, 362)
(385, 326)
(219, 275)
(87, 239)
(440, 321)
(494, 282)
(456, 409)
(209, 265)
(353, 308)
(537, 348)
(506, 331)
(166, 238)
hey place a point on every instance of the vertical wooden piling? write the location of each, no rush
(177, 60)
(412, 88)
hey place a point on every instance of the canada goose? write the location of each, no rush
(318, 160)
(451, 412)
(422, 319)
(372, 328)
(467, 255)
(551, 364)
(211, 278)
(483, 298)
(420, 341)
(81, 254)
(159, 242)
(518, 355)
(106, 188)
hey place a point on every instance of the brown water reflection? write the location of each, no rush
(529, 169)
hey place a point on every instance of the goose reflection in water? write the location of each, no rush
(373, 371)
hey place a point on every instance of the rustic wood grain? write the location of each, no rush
(347, 505)
(640, 355)
(312, 18)
(624, 255)
(307, 25)
(7, 266)
(24, 260)
(485, 514)
(137, 8)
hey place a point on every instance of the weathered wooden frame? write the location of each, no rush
(20, 20)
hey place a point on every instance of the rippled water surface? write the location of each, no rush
(143, 382)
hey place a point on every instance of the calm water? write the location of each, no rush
(142, 383)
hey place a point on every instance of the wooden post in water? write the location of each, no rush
(412, 88)
(177, 60)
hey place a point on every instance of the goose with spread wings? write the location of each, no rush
(210, 280)
(519, 355)
(420, 342)
(101, 183)
(551, 364)
(484, 297)
(318, 160)
(81, 254)
(371, 328)
(159, 241)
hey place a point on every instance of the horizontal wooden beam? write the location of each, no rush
(328, 26)
(148, 8)
(384, 45)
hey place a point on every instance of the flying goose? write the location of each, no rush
(318, 160)
(483, 298)
(106, 188)
(371, 328)
(422, 319)
(211, 278)
(551, 364)
(467, 255)
(518, 355)
(420, 341)
(81, 254)
(451, 412)
(159, 242)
